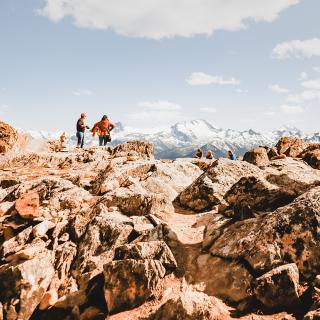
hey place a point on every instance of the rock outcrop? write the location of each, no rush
(190, 305)
(209, 189)
(291, 146)
(276, 185)
(258, 156)
(8, 137)
(114, 233)
(279, 288)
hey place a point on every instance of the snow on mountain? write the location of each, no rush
(192, 130)
(181, 139)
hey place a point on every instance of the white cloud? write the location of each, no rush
(269, 113)
(248, 120)
(242, 90)
(306, 95)
(158, 19)
(155, 117)
(311, 91)
(277, 88)
(204, 79)
(313, 84)
(297, 49)
(316, 69)
(209, 110)
(160, 105)
(83, 93)
(292, 110)
(3, 108)
(157, 112)
(303, 76)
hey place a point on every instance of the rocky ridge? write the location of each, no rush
(115, 234)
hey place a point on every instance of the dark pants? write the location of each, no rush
(80, 136)
(103, 140)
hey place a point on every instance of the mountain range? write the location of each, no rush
(183, 138)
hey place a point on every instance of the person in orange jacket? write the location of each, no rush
(103, 129)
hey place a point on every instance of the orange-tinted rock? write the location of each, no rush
(129, 283)
(48, 300)
(27, 205)
(8, 137)
(139, 149)
(257, 156)
(291, 146)
(278, 288)
(312, 158)
(190, 305)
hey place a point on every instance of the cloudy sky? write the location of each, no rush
(237, 63)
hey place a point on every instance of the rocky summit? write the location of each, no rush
(112, 233)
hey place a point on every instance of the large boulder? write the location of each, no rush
(129, 283)
(54, 194)
(96, 247)
(277, 185)
(174, 176)
(279, 287)
(131, 278)
(312, 315)
(257, 156)
(116, 175)
(291, 146)
(190, 305)
(209, 189)
(135, 200)
(148, 250)
(312, 157)
(289, 234)
(222, 278)
(135, 149)
(8, 137)
(23, 284)
(27, 205)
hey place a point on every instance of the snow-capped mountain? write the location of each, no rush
(181, 139)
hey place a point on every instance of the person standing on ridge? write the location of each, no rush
(81, 128)
(209, 155)
(231, 155)
(103, 129)
(198, 154)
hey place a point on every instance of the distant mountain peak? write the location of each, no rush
(181, 139)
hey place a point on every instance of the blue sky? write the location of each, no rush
(237, 63)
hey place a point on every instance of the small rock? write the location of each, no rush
(42, 228)
(27, 205)
(278, 288)
(65, 237)
(257, 156)
(316, 281)
(48, 300)
(312, 315)
(91, 313)
(71, 300)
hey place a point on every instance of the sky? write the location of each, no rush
(238, 64)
